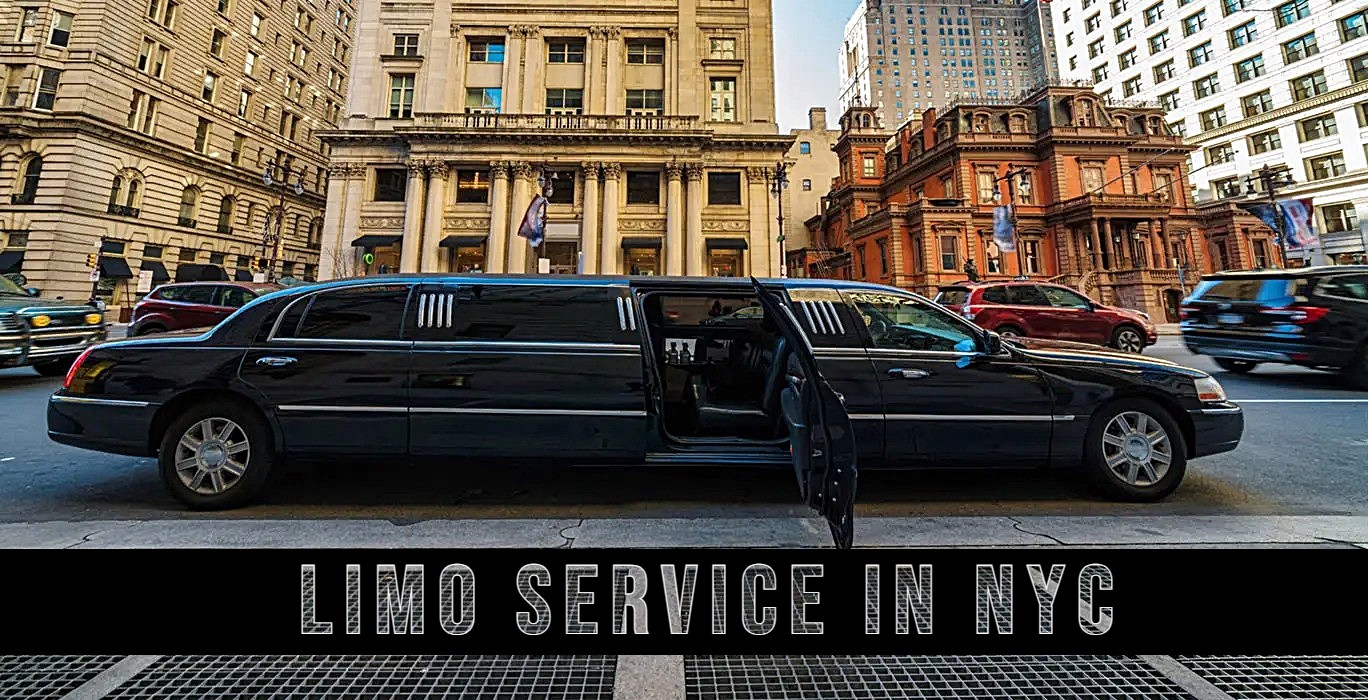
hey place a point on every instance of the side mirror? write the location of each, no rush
(32, 291)
(993, 344)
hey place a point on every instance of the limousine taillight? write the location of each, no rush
(76, 367)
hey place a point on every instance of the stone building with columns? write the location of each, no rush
(1103, 208)
(657, 124)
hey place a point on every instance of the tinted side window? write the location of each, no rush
(169, 293)
(1026, 295)
(235, 297)
(904, 323)
(533, 313)
(195, 294)
(362, 313)
(995, 295)
(1346, 286)
(1065, 298)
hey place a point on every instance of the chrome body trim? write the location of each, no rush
(63, 398)
(1220, 411)
(531, 411)
(296, 408)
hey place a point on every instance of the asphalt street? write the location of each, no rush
(1305, 452)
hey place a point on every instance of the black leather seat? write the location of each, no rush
(717, 414)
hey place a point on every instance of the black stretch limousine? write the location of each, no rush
(617, 370)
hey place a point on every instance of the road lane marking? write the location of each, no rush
(7, 459)
(1299, 400)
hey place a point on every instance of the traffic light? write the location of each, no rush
(92, 260)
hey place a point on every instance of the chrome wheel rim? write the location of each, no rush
(1009, 334)
(212, 455)
(1137, 449)
(1129, 341)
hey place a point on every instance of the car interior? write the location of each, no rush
(721, 365)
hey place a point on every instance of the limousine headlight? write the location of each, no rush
(40, 321)
(1209, 390)
(92, 319)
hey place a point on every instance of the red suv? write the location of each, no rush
(1037, 310)
(174, 307)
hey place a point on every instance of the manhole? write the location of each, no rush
(25, 677)
(929, 677)
(466, 677)
(1276, 677)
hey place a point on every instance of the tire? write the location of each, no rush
(1010, 331)
(1108, 438)
(1235, 366)
(1128, 339)
(149, 330)
(54, 368)
(1357, 373)
(208, 480)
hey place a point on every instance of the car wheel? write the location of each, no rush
(1235, 366)
(54, 368)
(1128, 339)
(216, 455)
(1135, 451)
(1010, 332)
(149, 330)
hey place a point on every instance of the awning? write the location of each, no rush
(726, 243)
(462, 241)
(159, 273)
(115, 268)
(243, 276)
(641, 242)
(11, 261)
(192, 272)
(375, 241)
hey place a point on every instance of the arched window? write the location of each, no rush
(316, 233)
(30, 172)
(188, 205)
(250, 216)
(132, 201)
(123, 193)
(115, 190)
(225, 217)
(298, 222)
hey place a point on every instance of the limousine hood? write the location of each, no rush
(1065, 351)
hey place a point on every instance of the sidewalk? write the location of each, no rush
(1168, 328)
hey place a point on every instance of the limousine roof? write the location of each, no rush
(638, 281)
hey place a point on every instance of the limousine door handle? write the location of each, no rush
(909, 373)
(275, 361)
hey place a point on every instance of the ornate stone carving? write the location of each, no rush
(346, 170)
(606, 32)
(673, 171)
(591, 170)
(730, 226)
(525, 30)
(649, 225)
(438, 168)
(672, 32)
(382, 222)
(498, 170)
(693, 172)
(522, 170)
(757, 174)
(466, 223)
(416, 166)
(612, 171)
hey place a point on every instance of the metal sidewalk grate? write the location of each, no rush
(303, 677)
(929, 677)
(32, 677)
(1278, 677)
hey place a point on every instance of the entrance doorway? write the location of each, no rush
(564, 256)
(1173, 298)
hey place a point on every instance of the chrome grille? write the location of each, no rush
(9, 323)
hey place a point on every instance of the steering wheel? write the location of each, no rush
(878, 328)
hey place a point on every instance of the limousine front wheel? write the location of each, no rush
(216, 455)
(1135, 451)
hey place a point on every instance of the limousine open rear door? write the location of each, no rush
(821, 437)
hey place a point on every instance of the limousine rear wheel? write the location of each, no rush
(216, 455)
(1135, 451)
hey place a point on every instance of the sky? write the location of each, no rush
(807, 42)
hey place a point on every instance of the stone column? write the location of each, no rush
(522, 196)
(592, 89)
(1168, 249)
(512, 82)
(533, 72)
(410, 252)
(337, 258)
(1156, 246)
(497, 245)
(673, 66)
(614, 96)
(454, 100)
(589, 223)
(1110, 259)
(436, 87)
(674, 219)
(608, 262)
(431, 257)
(757, 180)
(1096, 247)
(693, 227)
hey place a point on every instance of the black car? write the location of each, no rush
(639, 370)
(1313, 317)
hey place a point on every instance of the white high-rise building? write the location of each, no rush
(1282, 84)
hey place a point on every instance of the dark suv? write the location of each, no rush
(1313, 317)
(1050, 311)
(174, 307)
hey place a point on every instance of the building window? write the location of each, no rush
(1154, 13)
(1290, 12)
(1300, 48)
(225, 218)
(867, 166)
(883, 256)
(565, 51)
(1230, 7)
(216, 43)
(1326, 166)
(28, 24)
(163, 12)
(152, 58)
(401, 96)
(724, 189)
(239, 143)
(1260, 253)
(646, 52)
(949, 252)
(299, 54)
(1339, 218)
(1206, 86)
(1200, 54)
(404, 45)
(1250, 68)
(1354, 26)
(60, 35)
(1169, 100)
(257, 19)
(564, 101)
(244, 103)
(1308, 86)
(563, 191)
(202, 134)
(472, 186)
(1258, 103)
(805, 148)
(189, 205)
(483, 99)
(1123, 32)
(1194, 23)
(30, 173)
(643, 187)
(390, 184)
(1358, 68)
(1317, 127)
(722, 48)
(210, 86)
(1178, 128)
(1031, 257)
(46, 96)
(1244, 34)
(1265, 141)
(1127, 59)
(807, 185)
(985, 182)
(249, 63)
(645, 101)
(1097, 48)
(1221, 153)
(642, 261)
(1213, 119)
(486, 51)
(1158, 42)
(1117, 7)
(1092, 24)
(722, 99)
(1099, 74)
(1163, 72)
(722, 262)
(1092, 177)
(1131, 86)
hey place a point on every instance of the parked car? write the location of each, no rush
(576, 370)
(1313, 317)
(1050, 311)
(44, 333)
(173, 307)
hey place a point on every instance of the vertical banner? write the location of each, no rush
(1003, 234)
(1298, 220)
(533, 226)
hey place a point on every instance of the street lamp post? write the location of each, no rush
(1023, 187)
(285, 178)
(778, 183)
(1271, 180)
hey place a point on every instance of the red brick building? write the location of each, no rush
(1104, 206)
